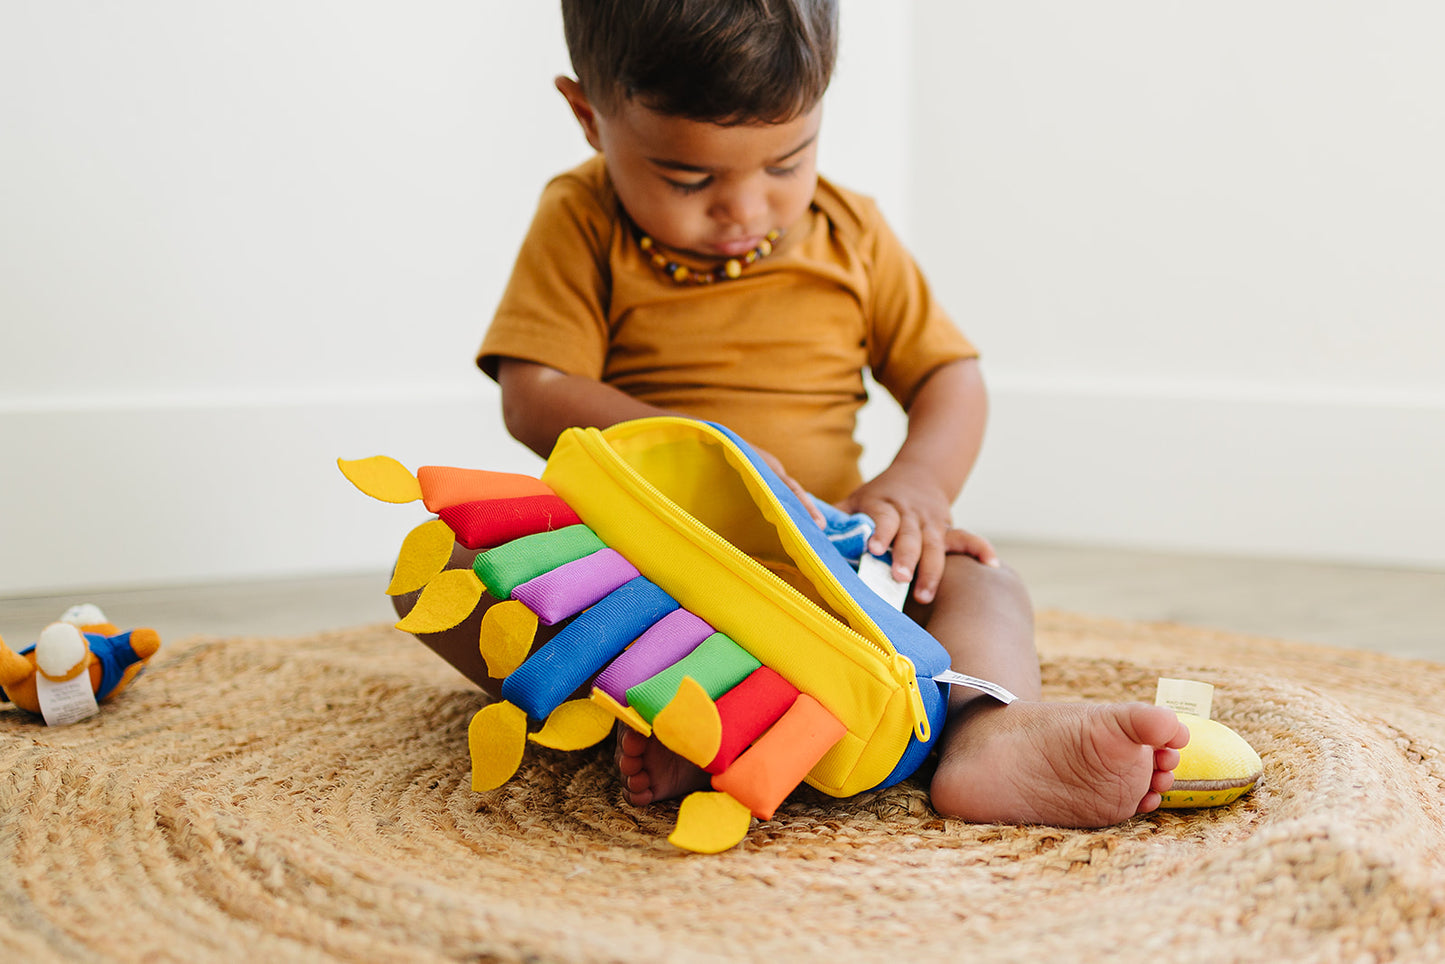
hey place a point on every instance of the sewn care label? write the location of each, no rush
(65, 702)
(1185, 696)
(982, 685)
(877, 574)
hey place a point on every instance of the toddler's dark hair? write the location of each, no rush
(722, 61)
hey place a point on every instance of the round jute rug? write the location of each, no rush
(308, 799)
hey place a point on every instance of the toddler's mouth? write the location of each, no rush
(738, 248)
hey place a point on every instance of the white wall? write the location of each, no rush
(1202, 249)
(1199, 247)
(240, 240)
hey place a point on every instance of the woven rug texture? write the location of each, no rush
(309, 800)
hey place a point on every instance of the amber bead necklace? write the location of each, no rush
(730, 269)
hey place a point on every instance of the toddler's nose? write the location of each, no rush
(746, 208)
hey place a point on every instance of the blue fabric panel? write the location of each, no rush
(849, 533)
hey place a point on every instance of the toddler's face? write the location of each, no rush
(709, 190)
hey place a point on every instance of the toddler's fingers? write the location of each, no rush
(885, 527)
(930, 566)
(964, 543)
(907, 548)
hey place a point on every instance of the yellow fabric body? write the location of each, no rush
(776, 355)
(660, 491)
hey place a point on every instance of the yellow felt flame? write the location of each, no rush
(496, 738)
(446, 601)
(382, 477)
(626, 714)
(508, 629)
(709, 822)
(574, 725)
(689, 725)
(424, 553)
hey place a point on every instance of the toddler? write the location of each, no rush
(699, 265)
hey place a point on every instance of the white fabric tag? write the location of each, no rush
(982, 685)
(65, 702)
(1185, 696)
(877, 575)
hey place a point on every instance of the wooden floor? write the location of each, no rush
(1401, 612)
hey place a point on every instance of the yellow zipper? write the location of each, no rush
(900, 667)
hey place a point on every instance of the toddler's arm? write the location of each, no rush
(911, 501)
(539, 403)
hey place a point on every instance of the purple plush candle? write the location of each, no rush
(668, 640)
(571, 588)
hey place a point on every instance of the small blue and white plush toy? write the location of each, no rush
(78, 661)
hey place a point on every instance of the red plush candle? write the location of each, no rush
(490, 522)
(747, 710)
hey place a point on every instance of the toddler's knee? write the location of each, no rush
(967, 567)
(967, 578)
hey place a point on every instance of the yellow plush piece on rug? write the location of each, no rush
(574, 725)
(1217, 767)
(709, 823)
(497, 738)
(382, 477)
(424, 554)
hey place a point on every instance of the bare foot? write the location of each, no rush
(651, 772)
(1062, 764)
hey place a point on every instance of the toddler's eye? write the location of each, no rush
(784, 171)
(688, 187)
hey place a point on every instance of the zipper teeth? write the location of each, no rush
(796, 598)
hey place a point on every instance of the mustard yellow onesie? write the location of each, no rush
(777, 355)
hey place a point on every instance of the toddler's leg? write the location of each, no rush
(1065, 764)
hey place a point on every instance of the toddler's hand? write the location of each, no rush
(914, 521)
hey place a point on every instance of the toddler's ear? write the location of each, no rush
(582, 108)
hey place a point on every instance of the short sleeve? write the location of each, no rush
(554, 308)
(910, 335)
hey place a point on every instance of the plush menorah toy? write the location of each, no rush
(697, 600)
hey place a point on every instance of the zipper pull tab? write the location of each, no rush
(907, 674)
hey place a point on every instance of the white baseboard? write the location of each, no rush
(100, 497)
(1227, 469)
(96, 496)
